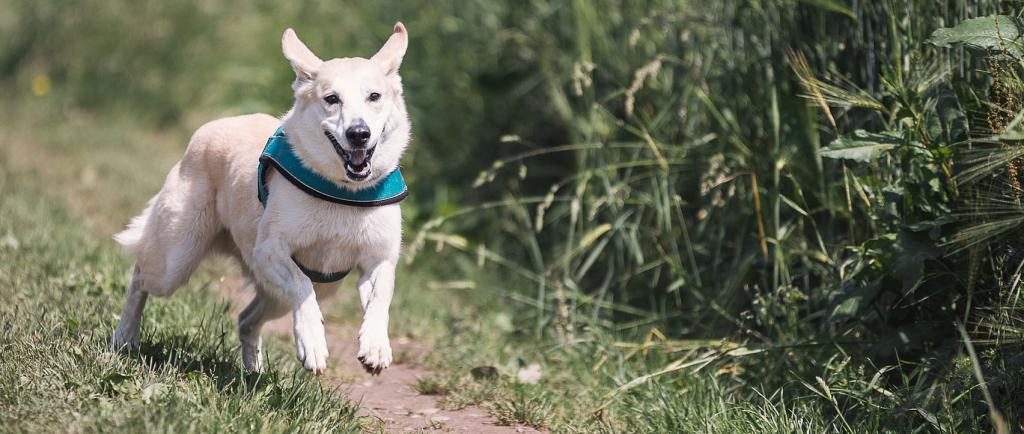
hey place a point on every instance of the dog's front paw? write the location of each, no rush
(374, 351)
(123, 340)
(310, 342)
(252, 354)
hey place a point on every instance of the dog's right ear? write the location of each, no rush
(390, 55)
(303, 61)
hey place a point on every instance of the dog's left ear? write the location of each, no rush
(303, 61)
(390, 55)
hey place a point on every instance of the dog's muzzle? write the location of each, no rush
(357, 161)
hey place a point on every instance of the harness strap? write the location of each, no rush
(318, 277)
(279, 155)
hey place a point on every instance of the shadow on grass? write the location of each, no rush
(227, 374)
(198, 354)
(210, 363)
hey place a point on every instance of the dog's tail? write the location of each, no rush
(130, 237)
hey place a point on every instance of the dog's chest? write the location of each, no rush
(330, 237)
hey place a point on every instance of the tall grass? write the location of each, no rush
(695, 178)
(716, 182)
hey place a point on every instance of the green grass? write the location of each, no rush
(62, 289)
(583, 388)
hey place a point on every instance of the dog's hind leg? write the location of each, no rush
(250, 322)
(169, 239)
(172, 235)
(127, 333)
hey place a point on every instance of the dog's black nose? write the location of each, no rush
(358, 134)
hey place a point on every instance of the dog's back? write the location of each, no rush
(172, 234)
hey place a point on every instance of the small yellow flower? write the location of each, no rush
(41, 85)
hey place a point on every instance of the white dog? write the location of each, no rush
(331, 209)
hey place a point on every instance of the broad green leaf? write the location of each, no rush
(912, 250)
(848, 308)
(862, 146)
(995, 32)
(853, 299)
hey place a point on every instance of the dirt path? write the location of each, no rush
(388, 397)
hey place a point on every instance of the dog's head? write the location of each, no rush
(349, 122)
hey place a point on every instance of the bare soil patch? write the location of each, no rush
(388, 398)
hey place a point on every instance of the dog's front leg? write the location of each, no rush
(376, 287)
(274, 267)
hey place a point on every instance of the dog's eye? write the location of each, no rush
(332, 99)
(374, 96)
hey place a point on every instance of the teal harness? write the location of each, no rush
(279, 155)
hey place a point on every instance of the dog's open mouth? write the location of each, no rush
(357, 161)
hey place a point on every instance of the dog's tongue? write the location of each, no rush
(357, 157)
